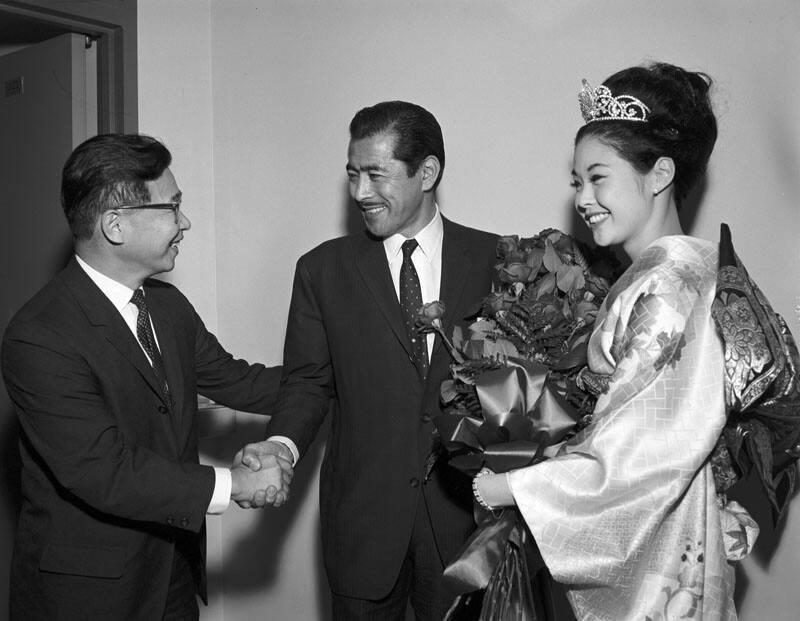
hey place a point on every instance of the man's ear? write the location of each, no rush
(430, 168)
(663, 172)
(111, 226)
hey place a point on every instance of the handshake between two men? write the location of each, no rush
(261, 475)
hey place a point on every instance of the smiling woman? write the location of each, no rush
(646, 530)
(620, 205)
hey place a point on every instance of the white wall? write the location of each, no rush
(254, 98)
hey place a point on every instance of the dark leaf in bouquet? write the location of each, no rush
(552, 261)
(566, 308)
(546, 285)
(552, 235)
(495, 347)
(597, 286)
(482, 328)
(473, 348)
(575, 358)
(534, 258)
(569, 278)
(514, 272)
(495, 303)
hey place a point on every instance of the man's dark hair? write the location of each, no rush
(416, 131)
(108, 171)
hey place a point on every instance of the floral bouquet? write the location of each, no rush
(519, 386)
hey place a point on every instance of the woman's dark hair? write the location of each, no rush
(417, 132)
(680, 125)
(108, 171)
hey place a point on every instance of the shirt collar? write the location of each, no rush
(116, 292)
(429, 238)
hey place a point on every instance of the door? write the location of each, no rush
(48, 105)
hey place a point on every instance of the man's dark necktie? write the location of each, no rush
(144, 332)
(410, 303)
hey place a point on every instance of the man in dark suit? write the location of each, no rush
(103, 366)
(388, 527)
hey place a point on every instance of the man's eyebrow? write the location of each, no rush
(368, 168)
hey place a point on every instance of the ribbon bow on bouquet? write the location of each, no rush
(499, 567)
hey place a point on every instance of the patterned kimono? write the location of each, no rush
(626, 514)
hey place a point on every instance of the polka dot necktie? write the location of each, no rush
(410, 303)
(144, 332)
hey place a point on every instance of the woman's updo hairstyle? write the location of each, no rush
(680, 123)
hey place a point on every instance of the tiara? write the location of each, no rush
(600, 105)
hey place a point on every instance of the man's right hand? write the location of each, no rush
(253, 455)
(267, 485)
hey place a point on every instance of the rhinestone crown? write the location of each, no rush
(600, 105)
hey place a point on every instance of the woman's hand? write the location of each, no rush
(491, 490)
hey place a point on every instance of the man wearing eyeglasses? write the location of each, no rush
(103, 366)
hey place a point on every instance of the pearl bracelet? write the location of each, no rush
(477, 494)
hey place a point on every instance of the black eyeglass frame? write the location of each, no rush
(175, 206)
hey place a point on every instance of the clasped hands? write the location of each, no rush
(261, 475)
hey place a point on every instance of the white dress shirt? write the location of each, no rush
(427, 260)
(120, 296)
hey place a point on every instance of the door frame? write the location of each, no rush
(115, 36)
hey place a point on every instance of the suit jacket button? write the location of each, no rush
(170, 521)
(425, 418)
(163, 409)
(414, 482)
(184, 522)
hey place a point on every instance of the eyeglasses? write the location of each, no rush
(174, 206)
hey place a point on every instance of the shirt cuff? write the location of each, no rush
(288, 443)
(221, 497)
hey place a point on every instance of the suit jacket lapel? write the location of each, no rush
(102, 315)
(374, 268)
(456, 266)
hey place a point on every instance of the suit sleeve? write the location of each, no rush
(65, 417)
(307, 384)
(232, 382)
